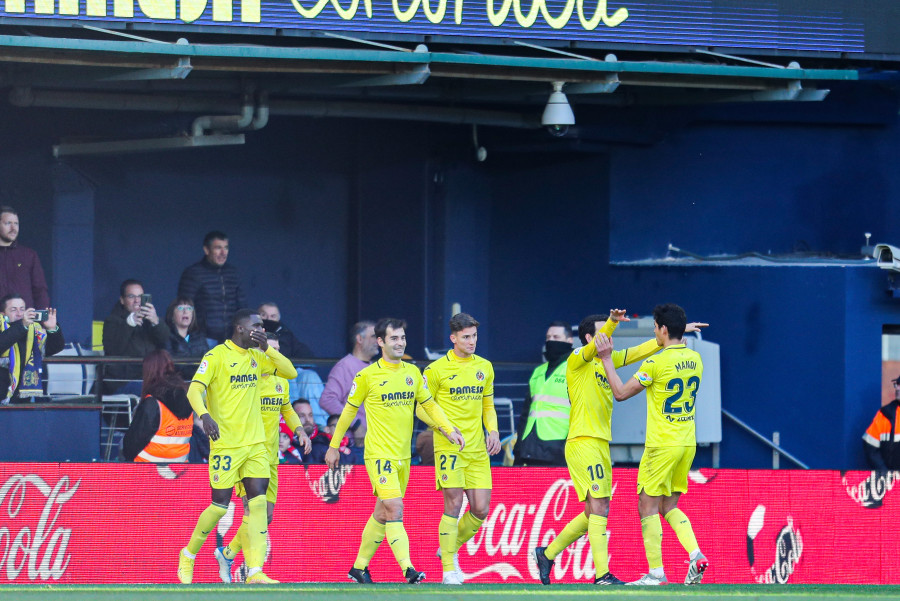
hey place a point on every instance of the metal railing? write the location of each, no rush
(776, 448)
(510, 385)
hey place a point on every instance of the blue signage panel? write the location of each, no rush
(775, 25)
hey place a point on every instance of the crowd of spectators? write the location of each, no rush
(26, 334)
(210, 291)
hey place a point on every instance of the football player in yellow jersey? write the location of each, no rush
(389, 388)
(232, 419)
(463, 385)
(671, 379)
(587, 444)
(274, 404)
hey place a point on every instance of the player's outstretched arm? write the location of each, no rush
(695, 326)
(617, 315)
(589, 351)
(620, 391)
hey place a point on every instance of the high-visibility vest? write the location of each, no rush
(172, 441)
(549, 412)
(884, 434)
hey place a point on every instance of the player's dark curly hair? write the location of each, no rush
(461, 321)
(673, 317)
(241, 315)
(388, 322)
(588, 325)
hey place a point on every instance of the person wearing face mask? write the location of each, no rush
(544, 424)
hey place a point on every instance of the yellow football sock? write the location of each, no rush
(447, 532)
(205, 524)
(682, 527)
(399, 542)
(651, 529)
(257, 528)
(238, 542)
(466, 528)
(599, 544)
(574, 530)
(372, 536)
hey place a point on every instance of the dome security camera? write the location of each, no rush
(557, 130)
(558, 115)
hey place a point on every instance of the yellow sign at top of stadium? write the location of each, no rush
(188, 11)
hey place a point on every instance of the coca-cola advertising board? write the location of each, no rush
(95, 523)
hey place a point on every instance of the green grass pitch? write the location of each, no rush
(432, 592)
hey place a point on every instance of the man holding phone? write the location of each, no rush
(26, 337)
(132, 329)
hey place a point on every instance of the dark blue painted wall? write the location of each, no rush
(25, 184)
(286, 213)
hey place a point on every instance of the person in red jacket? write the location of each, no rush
(20, 268)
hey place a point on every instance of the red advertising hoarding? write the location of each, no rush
(96, 523)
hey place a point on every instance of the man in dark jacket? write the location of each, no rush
(20, 267)
(23, 345)
(290, 345)
(214, 286)
(132, 329)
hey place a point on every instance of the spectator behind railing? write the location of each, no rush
(23, 344)
(288, 453)
(317, 436)
(20, 267)
(290, 346)
(308, 385)
(350, 455)
(340, 378)
(186, 339)
(132, 329)
(215, 287)
(163, 421)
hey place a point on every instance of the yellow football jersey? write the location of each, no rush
(231, 376)
(464, 388)
(273, 403)
(589, 391)
(389, 392)
(671, 378)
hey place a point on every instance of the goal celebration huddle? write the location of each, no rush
(454, 397)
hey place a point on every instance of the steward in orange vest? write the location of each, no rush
(161, 429)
